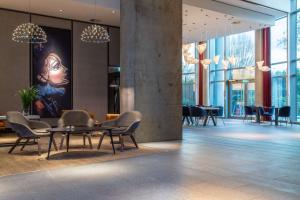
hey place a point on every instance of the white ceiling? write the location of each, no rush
(202, 19)
(205, 19)
(107, 11)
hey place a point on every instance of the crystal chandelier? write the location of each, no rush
(95, 34)
(29, 33)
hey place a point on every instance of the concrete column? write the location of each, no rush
(151, 40)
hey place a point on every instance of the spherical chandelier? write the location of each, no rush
(29, 33)
(95, 34)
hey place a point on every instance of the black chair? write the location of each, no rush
(219, 113)
(285, 113)
(196, 114)
(269, 113)
(249, 111)
(186, 115)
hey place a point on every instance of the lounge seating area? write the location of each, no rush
(30, 131)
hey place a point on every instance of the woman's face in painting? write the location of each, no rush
(56, 71)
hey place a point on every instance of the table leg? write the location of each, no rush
(276, 116)
(50, 144)
(213, 118)
(68, 141)
(257, 116)
(205, 120)
(112, 141)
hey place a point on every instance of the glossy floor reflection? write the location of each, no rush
(226, 162)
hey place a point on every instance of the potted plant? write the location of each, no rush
(27, 95)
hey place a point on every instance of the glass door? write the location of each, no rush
(241, 93)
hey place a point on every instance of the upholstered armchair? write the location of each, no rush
(27, 130)
(125, 125)
(77, 118)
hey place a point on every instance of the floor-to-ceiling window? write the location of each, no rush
(294, 70)
(216, 72)
(279, 45)
(240, 75)
(233, 87)
(189, 79)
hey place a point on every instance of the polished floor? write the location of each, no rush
(232, 162)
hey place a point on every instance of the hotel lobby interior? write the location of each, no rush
(150, 99)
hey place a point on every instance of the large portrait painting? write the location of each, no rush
(51, 73)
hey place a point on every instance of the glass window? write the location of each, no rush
(242, 47)
(298, 33)
(188, 89)
(242, 74)
(217, 93)
(217, 75)
(189, 78)
(279, 69)
(279, 41)
(279, 62)
(279, 95)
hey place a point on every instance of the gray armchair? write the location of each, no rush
(27, 130)
(126, 125)
(77, 118)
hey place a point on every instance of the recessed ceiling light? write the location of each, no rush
(113, 12)
(96, 20)
(236, 22)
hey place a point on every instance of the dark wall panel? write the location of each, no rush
(114, 46)
(14, 62)
(89, 74)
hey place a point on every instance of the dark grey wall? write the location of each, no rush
(114, 46)
(90, 64)
(14, 62)
(89, 74)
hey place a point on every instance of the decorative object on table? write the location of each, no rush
(95, 33)
(27, 96)
(51, 67)
(29, 32)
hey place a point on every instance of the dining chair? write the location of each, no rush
(186, 115)
(27, 130)
(269, 113)
(219, 113)
(125, 125)
(196, 113)
(285, 112)
(77, 118)
(249, 111)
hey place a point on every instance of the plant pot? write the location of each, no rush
(26, 111)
